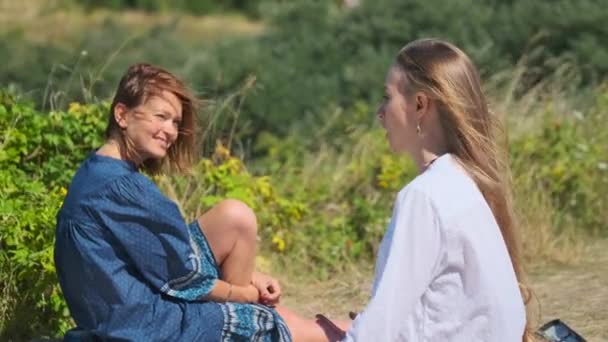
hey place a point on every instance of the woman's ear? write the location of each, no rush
(120, 115)
(422, 104)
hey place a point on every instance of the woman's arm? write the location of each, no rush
(225, 292)
(263, 288)
(268, 287)
(410, 254)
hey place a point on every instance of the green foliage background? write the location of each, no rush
(328, 212)
(288, 126)
(199, 7)
(316, 54)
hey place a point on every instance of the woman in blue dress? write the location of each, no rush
(129, 266)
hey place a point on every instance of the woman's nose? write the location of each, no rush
(380, 113)
(171, 130)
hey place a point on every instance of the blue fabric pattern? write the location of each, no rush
(129, 266)
(252, 322)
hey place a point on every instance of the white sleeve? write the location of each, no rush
(412, 256)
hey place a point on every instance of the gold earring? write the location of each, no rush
(418, 130)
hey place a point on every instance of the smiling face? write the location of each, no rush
(152, 127)
(397, 112)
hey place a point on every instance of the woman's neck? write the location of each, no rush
(432, 144)
(425, 157)
(425, 160)
(113, 149)
(110, 149)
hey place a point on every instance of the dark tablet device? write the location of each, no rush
(558, 331)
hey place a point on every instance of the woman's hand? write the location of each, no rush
(334, 331)
(268, 287)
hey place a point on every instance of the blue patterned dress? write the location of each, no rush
(131, 269)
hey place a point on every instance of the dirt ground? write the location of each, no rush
(577, 294)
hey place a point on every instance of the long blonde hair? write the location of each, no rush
(472, 133)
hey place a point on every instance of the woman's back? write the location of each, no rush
(476, 283)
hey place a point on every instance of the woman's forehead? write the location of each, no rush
(395, 79)
(166, 101)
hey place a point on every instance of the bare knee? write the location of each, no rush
(238, 216)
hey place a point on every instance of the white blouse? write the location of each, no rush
(443, 272)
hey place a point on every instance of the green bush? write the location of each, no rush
(314, 55)
(224, 176)
(47, 146)
(348, 179)
(31, 302)
(39, 154)
(318, 55)
(198, 7)
(567, 158)
(54, 75)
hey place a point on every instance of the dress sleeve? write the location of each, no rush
(411, 255)
(150, 230)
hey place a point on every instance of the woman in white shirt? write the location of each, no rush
(449, 266)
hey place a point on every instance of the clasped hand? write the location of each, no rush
(268, 288)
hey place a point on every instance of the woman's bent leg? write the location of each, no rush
(231, 230)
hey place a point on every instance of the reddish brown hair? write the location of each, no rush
(137, 85)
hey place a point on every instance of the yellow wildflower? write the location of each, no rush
(558, 171)
(264, 186)
(383, 184)
(74, 107)
(279, 243)
(221, 152)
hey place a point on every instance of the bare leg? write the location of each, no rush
(305, 330)
(231, 230)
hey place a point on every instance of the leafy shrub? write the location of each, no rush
(54, 75)
(187, 6)
(47, 147)
(567, 158)
(224, 176)
(318, 55)
(314, 55)
(39, 155)
(32, 302)
(348, 179)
